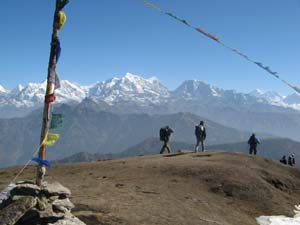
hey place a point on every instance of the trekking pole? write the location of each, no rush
(49, 96)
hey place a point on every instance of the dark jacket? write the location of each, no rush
(200, 133)
(253, 141)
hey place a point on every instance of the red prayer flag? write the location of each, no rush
(50, 98)
(207, 34)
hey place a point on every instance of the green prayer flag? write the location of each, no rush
(56, 121)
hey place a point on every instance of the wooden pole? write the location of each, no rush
(41, 170)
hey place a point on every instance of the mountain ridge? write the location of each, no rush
(140, 91)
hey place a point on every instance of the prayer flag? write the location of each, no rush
(152, 6)
(177, 18)
(61, 19)
(50, 139)
(207, 34)
(50, 98)
(53, 78)
(297, 89)
(57, 49)
(56, 121)
(42, 162)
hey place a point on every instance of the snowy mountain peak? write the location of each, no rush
(131, 76)
(2, 89)
(196, 88)
(129, 88)
(272, 97)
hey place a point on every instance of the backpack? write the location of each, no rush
(163, 133)
(199, 132)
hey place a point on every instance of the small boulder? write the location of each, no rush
(13, 212)
(62, 205)
(26, 189)
(56, 189)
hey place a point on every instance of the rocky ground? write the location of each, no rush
(179, 189)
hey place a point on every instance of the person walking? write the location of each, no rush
(283, 160)
(290, 162)
(200, 133)
(165, 133)
(293, 160)
(253, 141)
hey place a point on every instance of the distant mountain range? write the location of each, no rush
(88, 129)
(145, 94)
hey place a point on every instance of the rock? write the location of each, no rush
(42, 203)
(62, 205)
(13, 212)
(17, 197)
(26, 189)
(53, 198)
(31, 217)
(69, 219)
(56, 189)
(4, 195)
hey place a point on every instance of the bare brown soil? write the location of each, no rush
(208, 188)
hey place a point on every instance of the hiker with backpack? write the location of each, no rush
(293, 160)
(164, 134)
(290, 162)
(200, 136)
(253, 141)
(283, 160)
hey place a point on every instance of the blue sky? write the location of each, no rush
(106, 38)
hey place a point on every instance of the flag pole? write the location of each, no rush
(49, 97)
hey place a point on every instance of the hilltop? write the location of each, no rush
(183, 188)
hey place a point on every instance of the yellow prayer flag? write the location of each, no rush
(61, 19)
(50, 139)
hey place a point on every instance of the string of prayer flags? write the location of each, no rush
(42, 162)
(56, 121)
(61, 20)
(214, 38)
(63, 3)
(50, 139)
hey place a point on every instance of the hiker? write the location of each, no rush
(164, 134)
(283, 160)
(293, 160)
(253, 144)
(290, 161)
(200, 136)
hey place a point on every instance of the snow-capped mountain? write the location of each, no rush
(33, 94)
(270, 96)
(129, 88)
(274, 98)
(2, 90)
(194, 90)
(144, 92)
(191, 89)
(292, 99)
